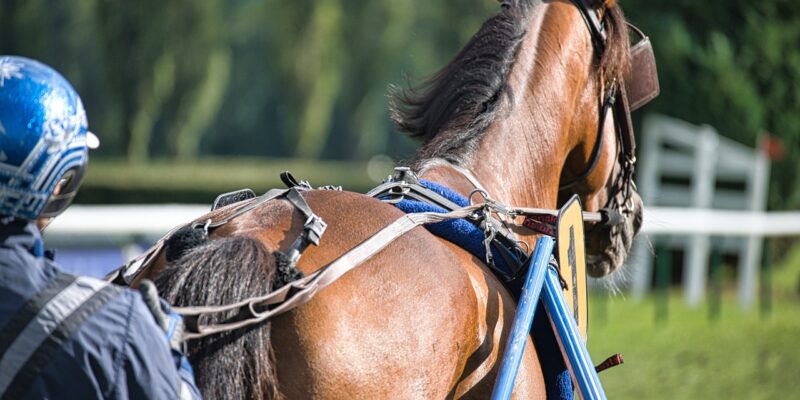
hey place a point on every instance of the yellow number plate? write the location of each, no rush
(572, 261)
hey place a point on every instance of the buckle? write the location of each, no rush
(314, 228)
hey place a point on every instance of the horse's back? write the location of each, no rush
(421, 319)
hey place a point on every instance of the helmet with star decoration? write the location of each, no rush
(44, 141)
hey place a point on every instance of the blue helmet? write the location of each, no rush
(43, 139)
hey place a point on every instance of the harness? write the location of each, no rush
(489, 215)
(637, 89)
(503, 253)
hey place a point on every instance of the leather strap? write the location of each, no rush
(592, 19)
(397, 190)
(608, 103)
(257, 309)
(313, 228)
(127, 273)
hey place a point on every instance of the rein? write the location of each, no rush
(539, 220)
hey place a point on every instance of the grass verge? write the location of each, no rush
(695, 353)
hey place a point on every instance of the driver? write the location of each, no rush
(64, 336)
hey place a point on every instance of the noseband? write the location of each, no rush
(617, 99)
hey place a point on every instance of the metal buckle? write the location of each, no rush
(314, 228)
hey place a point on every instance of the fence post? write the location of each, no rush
(751, 257)
(649, 185)
(717, 281)
(696, 268)
(663, 265)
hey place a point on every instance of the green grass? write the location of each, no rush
(687, 354)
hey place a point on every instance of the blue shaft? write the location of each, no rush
(569, 339)
(534, 280)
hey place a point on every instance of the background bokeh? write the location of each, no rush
(192, 98)
(183, 80)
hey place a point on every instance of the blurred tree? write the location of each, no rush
(734, 65)
(167, 64)
(188, 78)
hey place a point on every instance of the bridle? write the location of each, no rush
(622, 98)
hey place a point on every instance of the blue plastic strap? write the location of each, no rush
(512, 357)
(570, 341)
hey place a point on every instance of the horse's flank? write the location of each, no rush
(406, 325)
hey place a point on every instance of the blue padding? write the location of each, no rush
(458, 231)
(556, 377)
(446, 192)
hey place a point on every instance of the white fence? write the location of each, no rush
(126, 225)
(123, 221)
(684, 165)
(156, 220)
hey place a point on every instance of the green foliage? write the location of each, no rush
(193, 78)
(733, 65)
(169, 181)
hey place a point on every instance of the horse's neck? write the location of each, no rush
(501, 178)
(506, 178)
(520, 157)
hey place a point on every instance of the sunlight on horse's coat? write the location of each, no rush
(518, 107)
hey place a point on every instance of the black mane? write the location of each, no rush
(450, 111)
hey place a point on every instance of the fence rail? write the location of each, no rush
(156, 220)
(131, 227)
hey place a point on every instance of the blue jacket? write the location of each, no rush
(68, 337)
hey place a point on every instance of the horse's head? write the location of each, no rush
(600, 165)
(535, 106)
(582, 48)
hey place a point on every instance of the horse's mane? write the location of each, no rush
(451, 110)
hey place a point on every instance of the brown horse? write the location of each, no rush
(519, 108)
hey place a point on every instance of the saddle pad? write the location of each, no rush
(461, 232)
